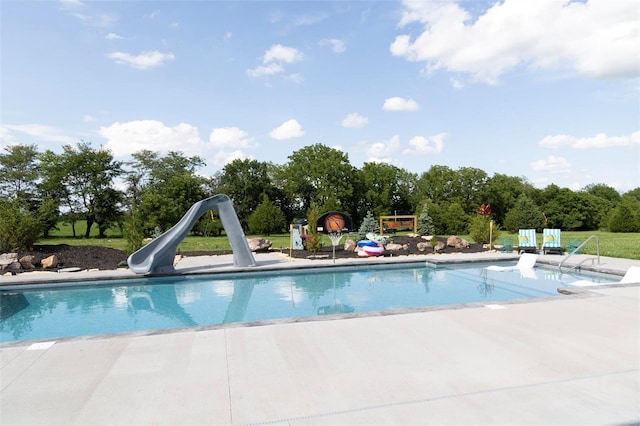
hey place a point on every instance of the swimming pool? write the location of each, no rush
(102, 307)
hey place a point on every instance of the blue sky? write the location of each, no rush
(546, 89)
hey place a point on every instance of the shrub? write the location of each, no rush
(369, 224)
(425, 223)
(267, 218)
(480, 229)
(19, 229)
(133, 232)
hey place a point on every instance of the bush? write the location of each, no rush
(425, 223)
(480, 228)
(369, 224)
(267, 218)
(19, 229)
(133, 232)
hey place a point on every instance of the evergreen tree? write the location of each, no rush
(267, 218)
(369, 224)
(425, 223)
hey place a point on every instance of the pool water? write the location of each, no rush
(201, 300)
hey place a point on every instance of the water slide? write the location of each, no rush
(157, 256)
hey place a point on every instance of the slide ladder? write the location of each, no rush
(158, 255)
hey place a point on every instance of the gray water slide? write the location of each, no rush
(157, 256)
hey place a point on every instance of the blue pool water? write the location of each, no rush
(200, 300)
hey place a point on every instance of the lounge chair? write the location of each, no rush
(551, 241)
(527, 241)
(631, 276)
(526, 261)
(506, 244)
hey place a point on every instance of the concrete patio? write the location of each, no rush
(574, 359)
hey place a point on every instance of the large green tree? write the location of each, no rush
(18, 172)
(89, 175)
(318, 174)
(165, 187)
(247, 182)
(387, 189)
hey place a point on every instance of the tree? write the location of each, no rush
(425, 223)
(165, 187)
(89, 174)
(267, 218)
(369, 224)
(18, 172)
(19, 229)
(387, 189)
(456, 221)
(603, 191)
(246, 182)
(501, 192)
(317, 173)
(625, 216)
(524, 215)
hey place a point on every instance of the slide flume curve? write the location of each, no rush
(157, 256)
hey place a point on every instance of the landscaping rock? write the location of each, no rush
(457, 242)
(7, 261)
(350, 245)
(423, 246)
(50, 262)
(28, 262)
(396, 247)
(259, 244)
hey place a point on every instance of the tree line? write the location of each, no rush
(151, 192)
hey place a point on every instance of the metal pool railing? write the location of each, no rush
(592, 259)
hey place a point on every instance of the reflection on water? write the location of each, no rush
(174, 302)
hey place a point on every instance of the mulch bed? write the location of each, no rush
(105, 258)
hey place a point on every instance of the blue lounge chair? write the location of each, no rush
(527, 241)
(551, 241)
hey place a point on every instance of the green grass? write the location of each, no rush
(623, 245)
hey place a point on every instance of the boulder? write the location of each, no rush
(259, 244)
(7, 259)
(396, 247)
(457, 242)
(439, 247)
(427, 237)
(422, 246)
(28, 262)
(50, 262)
(350, 245)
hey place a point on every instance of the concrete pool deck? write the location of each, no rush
(571, 360)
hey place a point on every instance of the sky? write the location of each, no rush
(548, 90)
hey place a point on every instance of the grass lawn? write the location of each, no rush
(624, 245)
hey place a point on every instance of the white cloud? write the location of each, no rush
(552, 164)
(126, 138)
(431, 145)
(222, 158)
(83, 12)
(355, 121)
(273, 59)
(89, 118)
(223, 137)
(6, 138)
(338, 46)
(280, 53)
(261, 71)
(113, 36)
(596, 38)
(382, 152)
(288, 130)
(601, 140)
(400, 104)
(40, 132)
(142, 61)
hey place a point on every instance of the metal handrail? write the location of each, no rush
(578, 248)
